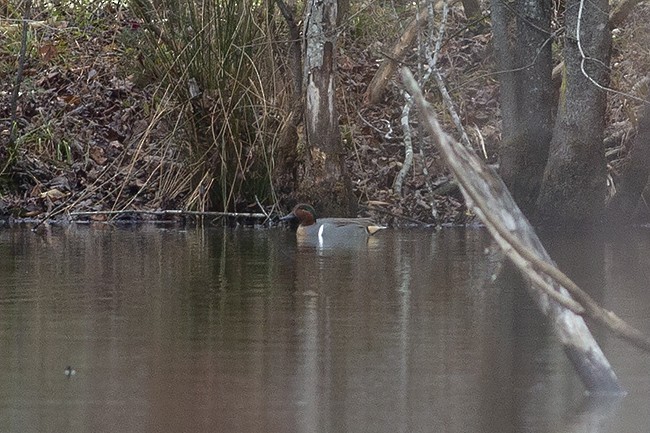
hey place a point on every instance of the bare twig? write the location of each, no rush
(408, 145)
(430, 187)
(446, 97)
(406, 127)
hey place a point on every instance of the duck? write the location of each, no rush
(329, 229)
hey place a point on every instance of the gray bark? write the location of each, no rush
(284, 171)
(527, 132)
(502, 21)
(325, 181)
(574, 185)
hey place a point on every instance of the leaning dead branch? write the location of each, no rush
(489, 198)
(534, 260)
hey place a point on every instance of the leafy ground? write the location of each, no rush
(89, 139)
(80, 117)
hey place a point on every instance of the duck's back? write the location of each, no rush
(339, 229)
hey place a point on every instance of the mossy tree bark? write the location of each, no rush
(574, 185)
(325, 181)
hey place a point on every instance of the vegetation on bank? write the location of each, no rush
(187, 106)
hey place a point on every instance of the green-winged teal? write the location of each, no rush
(329, 229)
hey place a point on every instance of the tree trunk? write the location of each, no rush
(574, 185)
(525, 146)
(502, 20)
(325, 181)
(286, 163)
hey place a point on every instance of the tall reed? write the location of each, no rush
(206, 53)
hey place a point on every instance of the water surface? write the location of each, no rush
(213, 330)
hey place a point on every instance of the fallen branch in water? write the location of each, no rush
(488, 197)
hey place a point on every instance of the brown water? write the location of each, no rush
(212, 330)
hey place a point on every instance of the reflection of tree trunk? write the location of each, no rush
(325, 180)
(524, 149)
(623, 205)
(573, 188)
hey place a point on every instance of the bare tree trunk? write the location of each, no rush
(286, 163)
(574, 184)
(325, 181)
(524, 149)
(502, 21)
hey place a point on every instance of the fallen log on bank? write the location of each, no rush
(559, 299)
